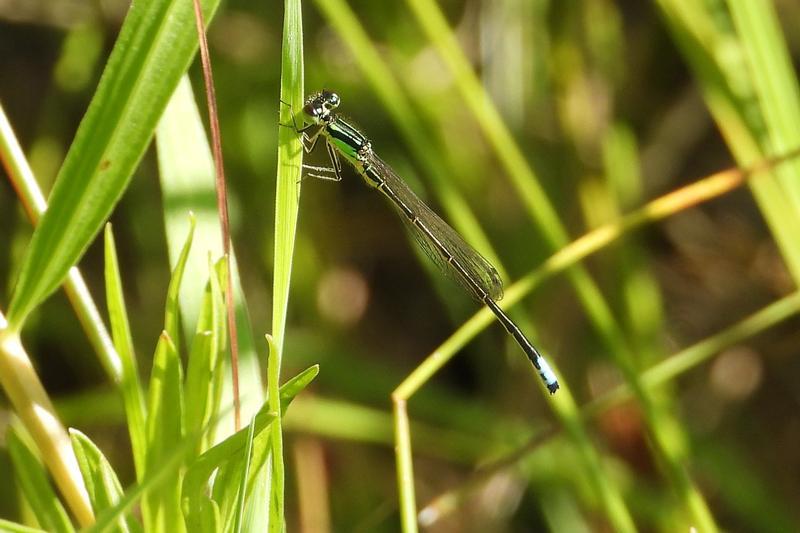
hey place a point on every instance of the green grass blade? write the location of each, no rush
(775, 82)
(22, 179)
(101, 480)
(290, 160)
(203, 381)
(229, 457)
(129, 383)
(154, 48)
(172, 308)
(526, 182)
(276, 496)
(32, 405)
(724, 64)
(168, 469)
(287, 202)
(35, 486)
(254, 463)
(164, 433)
(294, 386)
(238, 518)
(202, 515)
(186, 172)
(262, 446)
(10, 527)
(199, 380)
(199, 471)
(221, 384)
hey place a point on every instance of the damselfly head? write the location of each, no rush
(319, 105)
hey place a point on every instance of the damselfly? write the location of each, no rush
(446, 248)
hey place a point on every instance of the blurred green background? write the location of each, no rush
(609, 105)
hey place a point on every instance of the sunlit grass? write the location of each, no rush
(533, 127)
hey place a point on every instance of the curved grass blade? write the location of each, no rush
(101, 480)
(35, 486)
(164, 433)
(197, 475)
(32, 405)
(11, 527)
(172, 311)
(203, 389)
(24, 182)
(154, 48)
(241, 499)
(186, 173)
(129, 383)
(153, 479)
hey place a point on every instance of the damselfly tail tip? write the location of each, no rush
(547, 374)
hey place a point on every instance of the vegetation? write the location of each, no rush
(630, 170)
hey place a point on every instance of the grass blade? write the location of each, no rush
(129, 383)
(154, 48)
(164, 432)
(35, 486)
(186, 173)
(101, 480)
(287, 196)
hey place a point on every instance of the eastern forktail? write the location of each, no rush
(446, 248)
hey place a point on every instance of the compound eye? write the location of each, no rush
(330, 100)
(333, 100)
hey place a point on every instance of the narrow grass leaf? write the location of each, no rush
(229, 453)
(101, 480)
(24, 183)
(154, 48)
(287, 200)
(775, 82)
(32, 478)
(130, 385)
(274, 457)
(199, 374)
(172, 310)
(262, 445)
(11, 527)
(202, 515)
(225, 490)
(203, 390)
(255, 463)
(294, 386)
(167, 470)
(221, 378)
(186, 173)
(195, 482)
(290, 160)
(706, 36)
(241, 498)
(210, 515)
(164, 433)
